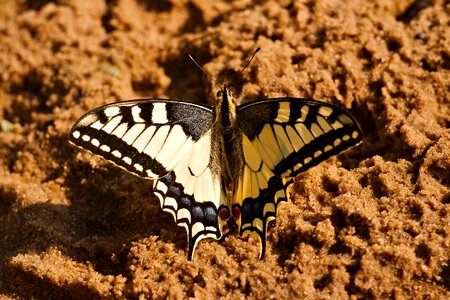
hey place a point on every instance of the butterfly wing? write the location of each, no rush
(169, 142)
(281, 138)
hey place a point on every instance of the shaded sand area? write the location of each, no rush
(372, 222)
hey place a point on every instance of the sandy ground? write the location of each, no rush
(373, 222)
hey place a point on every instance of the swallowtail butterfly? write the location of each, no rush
(222, 167)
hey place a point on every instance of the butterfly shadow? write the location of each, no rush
(187, 81)
(105, 216)
(88, 213)
(118, 209)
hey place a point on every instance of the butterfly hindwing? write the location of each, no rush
(196, 211)
(168, 141)
(281, 138)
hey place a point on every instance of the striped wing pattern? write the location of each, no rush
(281, 138)
(169, 142)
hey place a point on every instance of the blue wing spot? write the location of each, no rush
(267, 196)
(210, 215)
(175, 190)
(169, 177)
(257, 208)
(185, 202)
(197, 212)
(247, 209)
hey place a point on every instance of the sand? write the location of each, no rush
(372, 223)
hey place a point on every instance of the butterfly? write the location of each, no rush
(218, 169)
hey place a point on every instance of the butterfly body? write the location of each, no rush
(213, 167)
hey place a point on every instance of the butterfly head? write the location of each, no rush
(225, 93)
(225, 101)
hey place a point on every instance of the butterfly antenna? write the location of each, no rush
(250, 60)
(206, 72)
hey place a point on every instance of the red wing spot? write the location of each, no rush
(236, 212)
(223, 213)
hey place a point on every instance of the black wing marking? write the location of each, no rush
(281, 138)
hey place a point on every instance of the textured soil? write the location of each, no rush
(373, 222)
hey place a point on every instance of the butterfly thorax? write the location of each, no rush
(228, 135)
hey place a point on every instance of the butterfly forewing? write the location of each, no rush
(281, 138)
(146, 137)
(293, 135)
(168, 141)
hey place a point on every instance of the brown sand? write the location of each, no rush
(371, 223)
